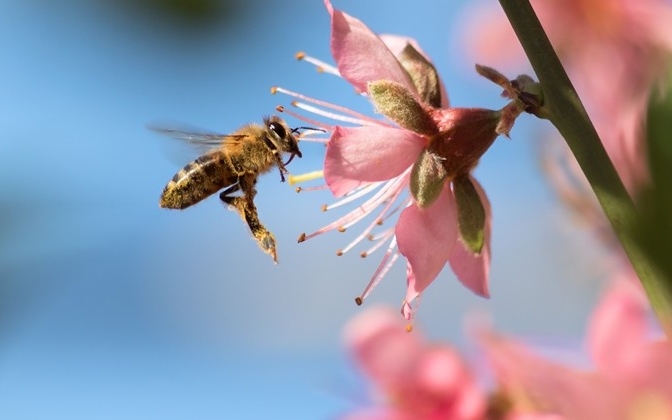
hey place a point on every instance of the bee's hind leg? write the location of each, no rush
(225, 195)
(244, 205)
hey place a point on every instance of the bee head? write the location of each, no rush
(282, 137)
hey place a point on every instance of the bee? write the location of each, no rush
(232, 164)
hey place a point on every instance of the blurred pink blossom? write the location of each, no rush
(413, 379)
(614, 51)
(631, 376)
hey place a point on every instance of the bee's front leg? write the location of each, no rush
(281, 166)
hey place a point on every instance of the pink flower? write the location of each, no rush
(615, 51)
(424, 147)
(415, 380)
(631, 379)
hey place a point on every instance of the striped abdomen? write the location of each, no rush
(196, 181)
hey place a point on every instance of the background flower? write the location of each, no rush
(630, 376)
(411, 378)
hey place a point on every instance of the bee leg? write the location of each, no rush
(281, 166)
(224, 195)
(244, 205)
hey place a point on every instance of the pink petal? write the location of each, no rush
(379, 413)
(617, 336)
(473, 270)
(426, 238)
(497, 46)
(552, 388)
(440, 372)
(378, 341)
(368, 154)
(360, 55)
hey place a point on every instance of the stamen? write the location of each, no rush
(312, 188)
(368, 229)
(329, 105)
(402, 205)
(354, 216)
(379, 242)
(380, 197)
(355, 194)
(327, 114)
(408, 311)
(389, 259)
(321, 65)
(295, 179)
(326, 127)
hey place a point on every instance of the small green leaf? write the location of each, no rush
(427, 178)
(398, 104)
(654, 201)
(423, 74)
(470, 214)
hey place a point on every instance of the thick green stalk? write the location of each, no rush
(564, 109)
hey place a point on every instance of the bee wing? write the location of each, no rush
(202, 140)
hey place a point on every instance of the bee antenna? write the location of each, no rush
(296, 129)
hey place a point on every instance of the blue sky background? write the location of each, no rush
(111, 307)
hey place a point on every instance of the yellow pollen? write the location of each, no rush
(280, 108)
(302, 237)
(339, 253)
(409, 328)
(295, 179)
(319, 69)
(324, 207)
(297, 189)
(294, 103)
(274, 90)
(359, 300)
(300, 55)
(341, 229)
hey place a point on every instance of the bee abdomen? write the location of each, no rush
(197, 180)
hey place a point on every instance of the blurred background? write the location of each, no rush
(111, 307)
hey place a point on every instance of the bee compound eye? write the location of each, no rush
(278, 129)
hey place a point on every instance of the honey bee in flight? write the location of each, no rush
(233, 163)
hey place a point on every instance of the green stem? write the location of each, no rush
(565, 110)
